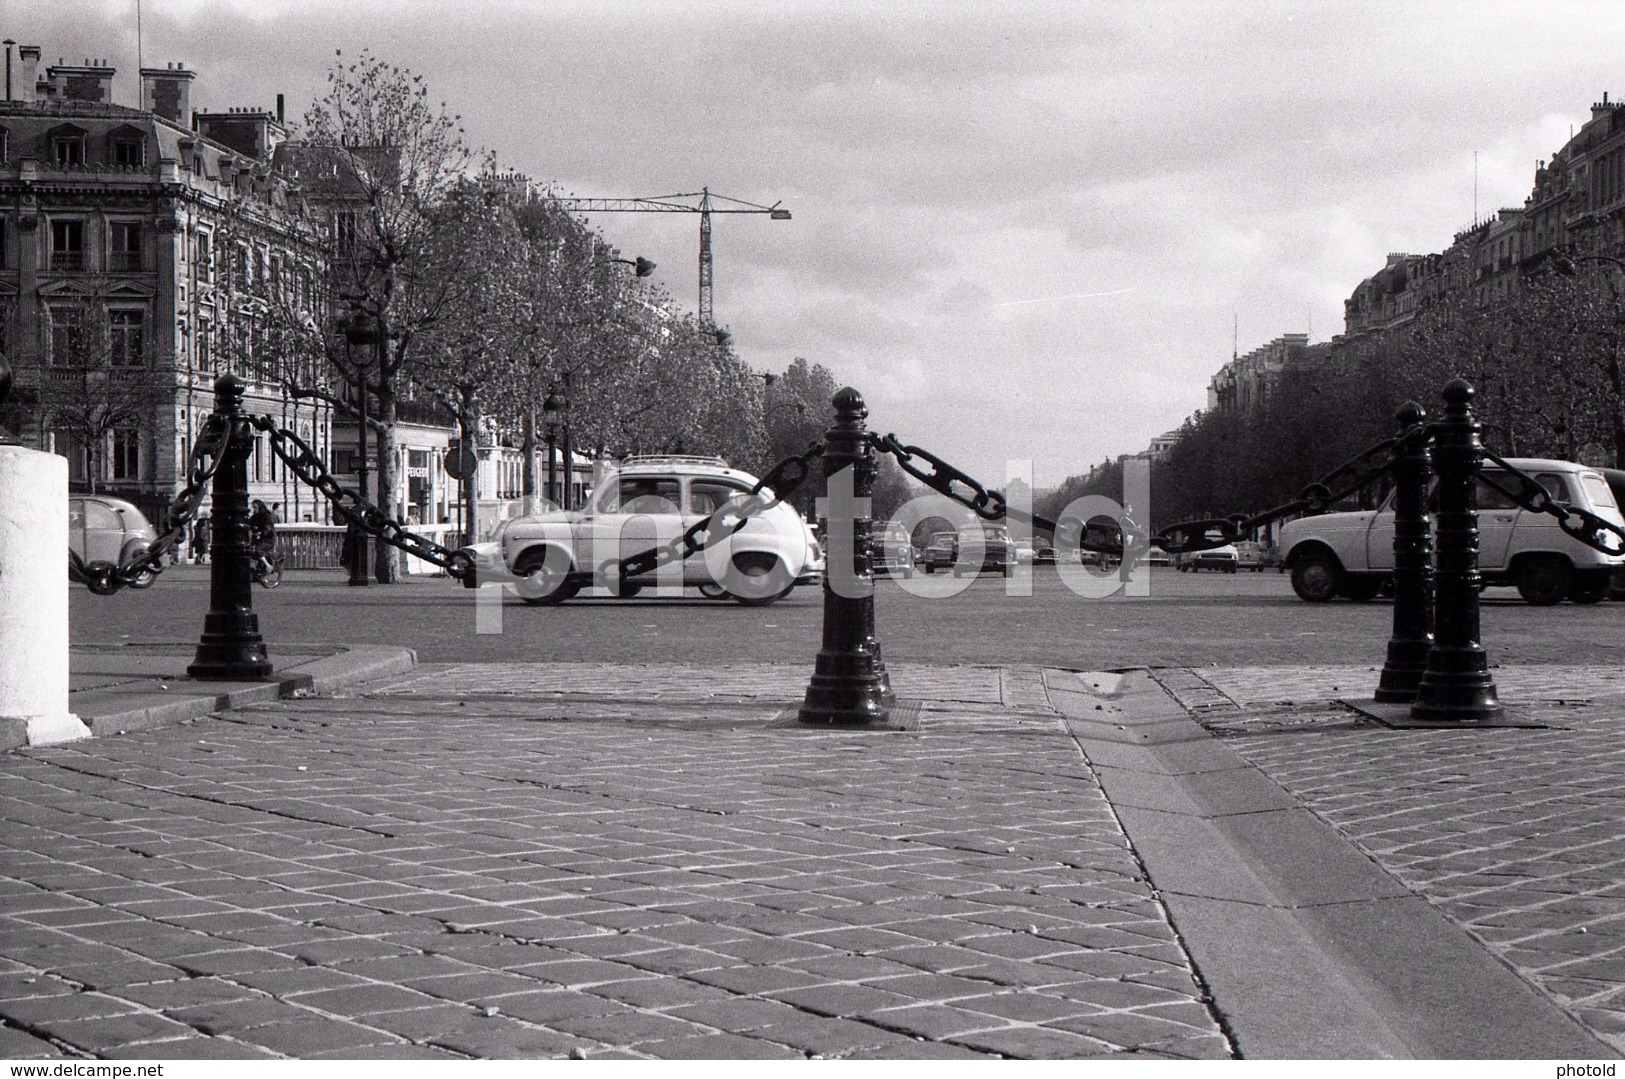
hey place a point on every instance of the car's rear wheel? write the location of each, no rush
(1545, 580)
(712, 590)
(768, 579)
(543, 581)
(1316, 576)
(1590, 586)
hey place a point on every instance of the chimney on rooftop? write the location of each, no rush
(167, 91)
(28, 81)
(91, 82)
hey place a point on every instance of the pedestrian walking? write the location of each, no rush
(202, 533)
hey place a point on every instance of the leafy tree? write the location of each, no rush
(385, 162)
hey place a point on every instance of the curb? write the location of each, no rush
(1309, 948)
(113, 711)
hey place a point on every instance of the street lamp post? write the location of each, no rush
(550, 418)
(360, 331)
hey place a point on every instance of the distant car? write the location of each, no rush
(940, 552)
(1222, 559)
(891, 554)
(104, 529)
(1352, 554)
(998, 551)
(1043, 556)
(646, 503)
(1158, 557)
(1254, 556)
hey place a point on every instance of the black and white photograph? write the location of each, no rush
(653, 531)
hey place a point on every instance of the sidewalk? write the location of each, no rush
(513, 860)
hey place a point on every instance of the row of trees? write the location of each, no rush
(448, 281)
(1545, 358)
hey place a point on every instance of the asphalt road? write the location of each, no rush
(1188, 620)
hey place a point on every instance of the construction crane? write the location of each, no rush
(706, 205)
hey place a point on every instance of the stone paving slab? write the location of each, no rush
(1516, 835)
(629, 863)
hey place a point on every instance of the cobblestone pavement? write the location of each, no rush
(635, 862)
(1518, 835)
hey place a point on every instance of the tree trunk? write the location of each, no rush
(529, 472)
(387, 559)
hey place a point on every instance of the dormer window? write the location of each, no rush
(68, 151)
(130, 152)
(67, 146)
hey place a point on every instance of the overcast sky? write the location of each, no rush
(1021, 229)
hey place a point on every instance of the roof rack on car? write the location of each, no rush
(673, 459)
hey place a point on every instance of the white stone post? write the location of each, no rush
(34, 597)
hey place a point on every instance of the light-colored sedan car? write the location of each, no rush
(644, 503)
(106, 529)
(1352, 554)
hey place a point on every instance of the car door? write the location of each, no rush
(632, 515)
(706, 495)
(1379, 537)
(1497, 519)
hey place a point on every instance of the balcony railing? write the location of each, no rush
(124, 261)
(67, 260)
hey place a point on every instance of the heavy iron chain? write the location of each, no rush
(1347, 479)
(1583, 525)
(139, 570)
(782, 479)
(352, 506)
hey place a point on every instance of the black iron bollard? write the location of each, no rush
(231, 648)
(1456, 687)
(849, 686)
(1413, 566)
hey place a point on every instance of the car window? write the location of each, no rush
(76, 515)
(706, 496)
(100, 516)
(1556, 485)
(642, 494)
(1597, 489)
(1491, 499)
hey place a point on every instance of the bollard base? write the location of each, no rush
(1397, 716)
(848, 690)
(1402, 673)
(903, 716)
(231, 649)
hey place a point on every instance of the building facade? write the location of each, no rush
(141, 250)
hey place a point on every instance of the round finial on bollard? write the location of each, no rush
(1410, 414)
(849, 404)
(1458, 392)
(228, 392)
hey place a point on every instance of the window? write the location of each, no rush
(205, 350)
(1488, 498)
(67, 245)
(124, 462)
(124, 246)
(707, 496)
(648, 494)
(129, 151)
(345, 233)
(1556, 487)
(68, 150)
(67, 344)
(203, 256)
(66, 443)
(126, 338)
(5, 146)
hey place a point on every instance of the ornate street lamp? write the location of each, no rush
(550, 424)
(360, 330)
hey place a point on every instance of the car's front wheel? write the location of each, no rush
(1545, 580)
(766, 579)
(543, 580)
(1316, 576)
